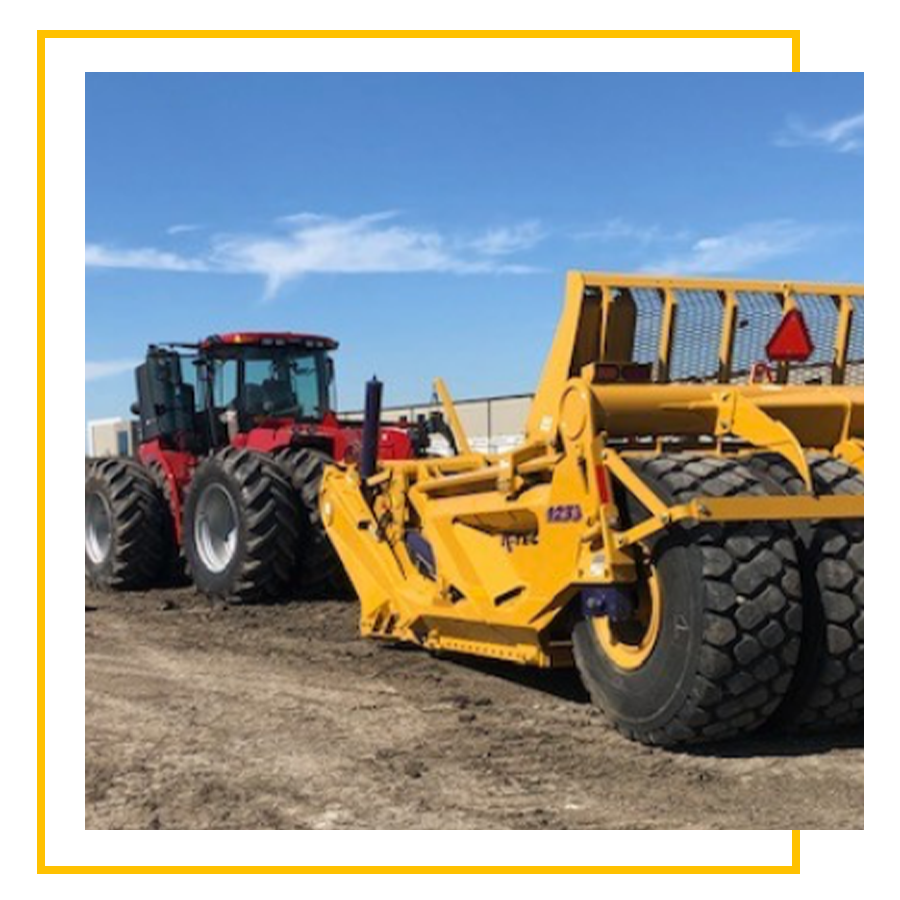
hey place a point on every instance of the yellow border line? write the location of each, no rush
(793, 36)
(41, 458)
(42, 868)
(792, 869)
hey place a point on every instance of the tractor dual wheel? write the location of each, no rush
(710, 649)
(175, 572)
(241, 527)
(124, 526)
(827, 692)
(319, 570)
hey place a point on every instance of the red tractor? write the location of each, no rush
(234, 435)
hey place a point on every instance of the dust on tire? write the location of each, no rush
(262, 566)
(135, 553)
(732, 618)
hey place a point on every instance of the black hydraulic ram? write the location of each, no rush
(371, 429)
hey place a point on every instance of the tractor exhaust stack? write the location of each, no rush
(368, 461)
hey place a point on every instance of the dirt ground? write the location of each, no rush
(200, 715)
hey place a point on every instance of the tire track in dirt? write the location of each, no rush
(200, 715)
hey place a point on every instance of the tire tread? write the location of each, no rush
(138, 524)
(751, 600)
(271, 519)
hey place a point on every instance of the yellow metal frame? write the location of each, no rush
(452, 416)
(599, 320)
(516, 536)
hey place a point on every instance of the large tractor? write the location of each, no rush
(683, 522)
(235, 432)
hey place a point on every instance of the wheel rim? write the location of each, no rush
(630, 643)
(216, 528)
(97, 528)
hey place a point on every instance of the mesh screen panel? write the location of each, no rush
(700, 319)
(857, 352)
(698, 331)
(821, 315)
(649, 305)
(759, 314)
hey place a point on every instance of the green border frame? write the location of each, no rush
(66, 58)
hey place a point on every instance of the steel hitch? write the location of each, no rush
(608, 601)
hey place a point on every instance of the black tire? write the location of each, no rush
(730, 622)
(319, 569)
(827, 692)
(175, 570)
(257, 567)
(124, 527)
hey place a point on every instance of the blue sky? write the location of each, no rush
(426, 221)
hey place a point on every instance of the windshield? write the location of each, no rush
(274, 382)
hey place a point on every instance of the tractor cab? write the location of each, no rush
(198, 397)
(255, 380)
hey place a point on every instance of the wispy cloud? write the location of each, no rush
(186, 228)
(311, 218)
(100, 256)
(619, 229)
(741, 250)
(309, 243)
(93, 371)
(509, 240)
(845, 135)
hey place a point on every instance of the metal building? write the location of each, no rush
(493, 424)
(112, 437)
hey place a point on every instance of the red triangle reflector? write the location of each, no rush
(791, 341)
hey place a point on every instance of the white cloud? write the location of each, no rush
(96, 370)
(365, 244)
(619, 229)
(308, 243)
(841, 136)
(186, 228)
(311, 218)
(98, 256)
(509, 240)
(741, 250)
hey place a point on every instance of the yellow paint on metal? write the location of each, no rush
(599, 324)
(851, 452)
(484, 553)
(629, 645)
(456, 428)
